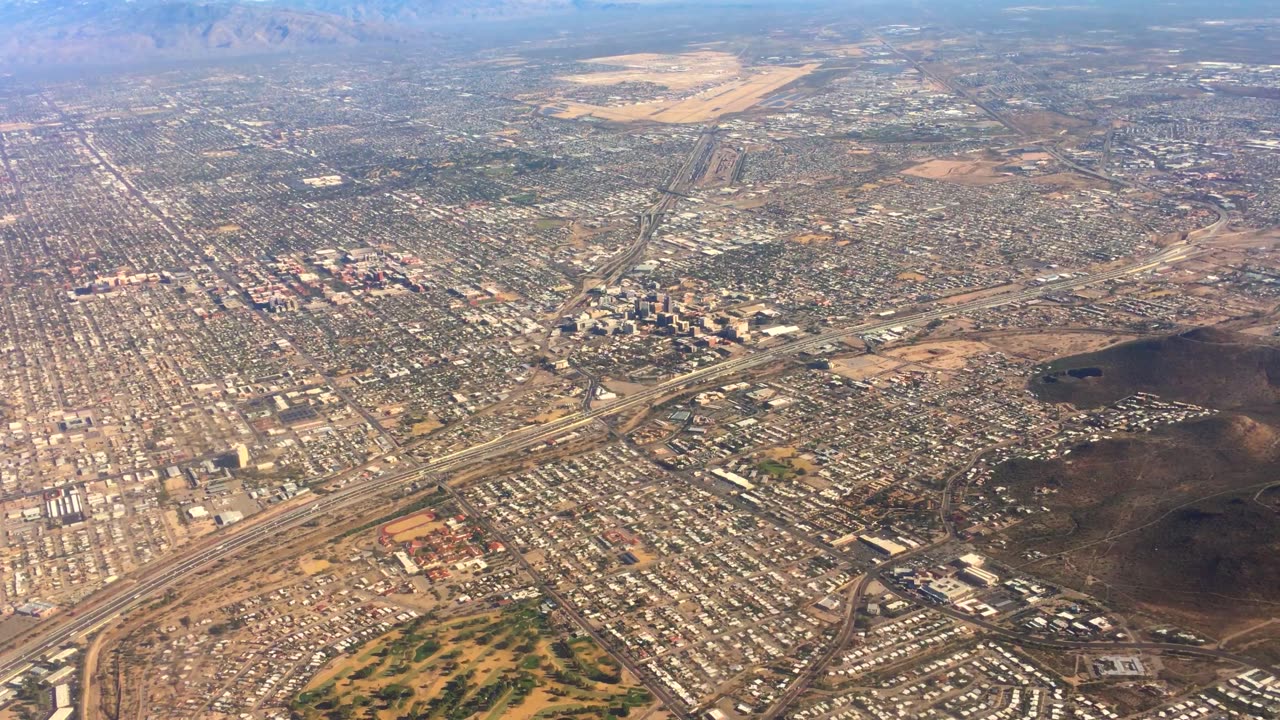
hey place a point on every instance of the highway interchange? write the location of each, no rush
(119, 598)
(358, 493)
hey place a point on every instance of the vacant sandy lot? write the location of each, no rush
(314, 566)
(1047, 122)
(960, 171)
(862, 367)
(807, 238)
(1055, 344)
(1069, 180)
(946, 355)
(962, 298)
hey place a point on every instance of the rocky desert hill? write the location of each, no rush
(1183, 522)
(1206, 366)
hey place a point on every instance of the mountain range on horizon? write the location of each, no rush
(88, 32)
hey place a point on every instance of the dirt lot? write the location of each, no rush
(807, 238)
(623, 388)
(792, 458)
(559, 409)
(1070, 181)
(945, 355)
(1041, 346)
(314, 566)
(862, 367)
(426, 426)
(976, 294)
(960, 171)
(1047, 122)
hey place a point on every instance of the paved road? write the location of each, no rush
(114, 600)
(593, 386)
(788, 699)
(814, 670)
(120, 597)
(1099, 173)
(1029, 640)
(693, 166)
(624, 660)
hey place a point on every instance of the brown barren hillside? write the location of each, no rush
(1183, 521)
(1209, 367)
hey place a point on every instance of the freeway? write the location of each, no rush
(116, 599)
(695, 163)
(593, 387)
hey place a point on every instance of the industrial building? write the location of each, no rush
(65, 506)
(883, 546)
(228, 517)
(733, 479)
(978, 576)
(948, 590)
(1119, 666)
(240, 457)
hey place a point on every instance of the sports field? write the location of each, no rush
(412, 527)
